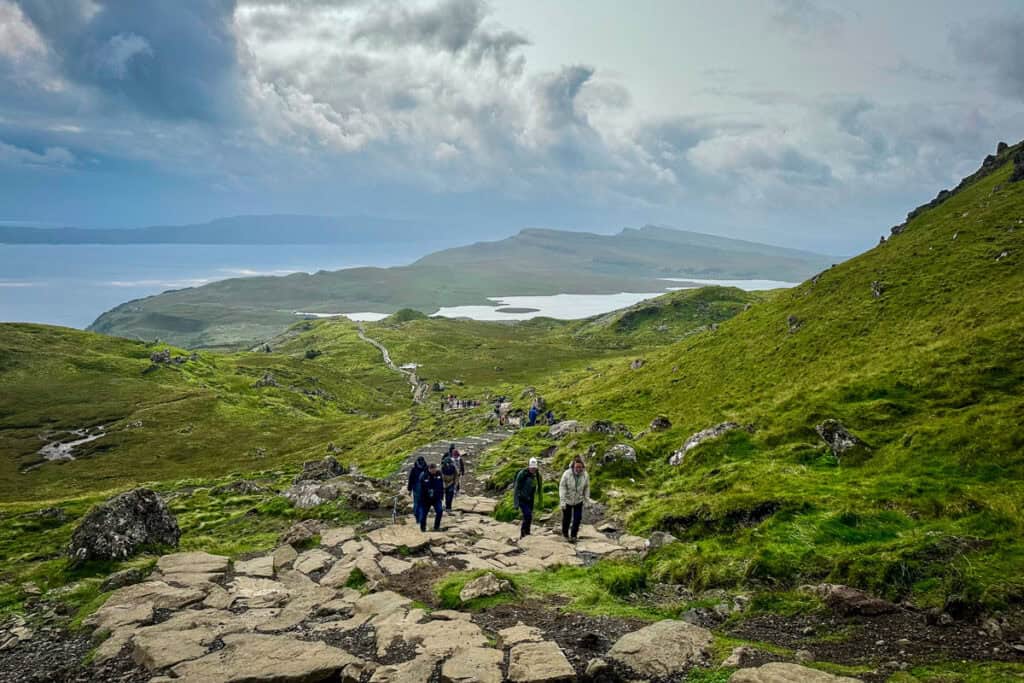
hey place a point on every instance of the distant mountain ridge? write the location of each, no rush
(241, 312)
(253, 229)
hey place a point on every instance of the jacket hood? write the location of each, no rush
(421, 462)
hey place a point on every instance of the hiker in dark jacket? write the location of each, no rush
(450, 477)
(533, 415)
(414, 485)
(431, 496)
(460, 465)
(527, 491)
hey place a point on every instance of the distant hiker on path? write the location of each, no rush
(417, 471)
(573, 491)
(431, 496)
(533, 415)
(550, 417)
(527, 490)
(460, 465)
(450, 477)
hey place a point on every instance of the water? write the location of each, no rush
(72, 284)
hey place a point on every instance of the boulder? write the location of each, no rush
(794, 324)
(520, 633)
(610, 428)
(258, 567)
(314, 560)
(123, 525)
(364, 499)
(483, 586)
(619, 453)
(660, 424)
(539, 663)
(301, 532)
(699, 438)
(777, 672)
(320, 470)
(193, 563)
(267, 380)
(849, 601)
(160, 356)
(563, 429)
(310, 494)
(740, 657)
(841, 442)
(663, 649)
(637, 364)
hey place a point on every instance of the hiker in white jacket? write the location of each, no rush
(573, 491)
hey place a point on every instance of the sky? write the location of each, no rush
(805, 123)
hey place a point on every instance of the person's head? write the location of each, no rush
(577, 465)
(421, 462)
(432, 468)
(533, 464)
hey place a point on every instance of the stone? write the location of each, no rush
(284, 556)
(740, 657)
(419, 669)
(331, 538)
(663, 649)
(563, 429)
(339, 574)
(699, 438)
(113, 617)
(161, 594)
(777, 672)
(193, 563)
(542, 662)
(483, 586)
(610, 428)
(254, 593)
(217, 598)
(660, 424)
(637, 364)
(314, 560)
(125, 577)
(619, 453)
(301, 532)
(841, 442)
(794, 324)
(659, 539)
(252, 658)
(259, 567)
(398, 536)
(849, 601)
(596, 668)
(473, 665)
(803, 656)
(520, 633)
(392, 566)
(310, 494)
(159, 649)
(118, 528)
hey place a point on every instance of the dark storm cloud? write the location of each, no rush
(172, 60)
(998, 47)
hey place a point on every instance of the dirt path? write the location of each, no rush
(420, 390)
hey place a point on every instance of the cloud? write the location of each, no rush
(808, 18)
(998, 48)
(49, 157)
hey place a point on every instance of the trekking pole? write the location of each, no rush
(394, 509)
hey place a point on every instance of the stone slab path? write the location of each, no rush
(296, 614)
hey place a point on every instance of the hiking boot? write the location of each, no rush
(573, 540)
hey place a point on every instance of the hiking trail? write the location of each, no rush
(420, 390)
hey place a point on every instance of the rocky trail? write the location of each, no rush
(356, 603)
(420, 390)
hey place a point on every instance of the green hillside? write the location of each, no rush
(242, 312)
(917, 347)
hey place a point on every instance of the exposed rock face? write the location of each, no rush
(125, 577)
(117, 529)
(839, 439)
(794, 323)
(699, 438)
(1018, 166)
(267, 380)
(848, 601)
(610, 428)
(877, 289)
(619, 452)
(660, 424)
(483, 586)
(663, 649)
(778, 672)
(311, 494)
(659, 539)
(320, 470)
(301, 532)
(160, 356)
(563, 429)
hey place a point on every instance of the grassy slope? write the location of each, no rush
(929, 374)
(240, 312)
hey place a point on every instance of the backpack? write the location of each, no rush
(448, 472)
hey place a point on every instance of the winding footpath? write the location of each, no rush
(419, 394)
(295, 615)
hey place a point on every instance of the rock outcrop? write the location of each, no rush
(484, 586)
(320, 470)
(610, 428)
(778, 672)
(851, 601)
(660, 424)
(841, 442)
(563, 429)
(619, 453)
(665, 648)
(123, 525)
(699, 438)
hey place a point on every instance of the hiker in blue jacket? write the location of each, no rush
(533, 415)
(431, 496)
(414, 485)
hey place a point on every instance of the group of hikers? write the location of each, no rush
(434, 486)
(514, 418)
(452, 402)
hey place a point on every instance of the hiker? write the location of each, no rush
(431, 496)
(460, 465)
(450, 477)
(573, 491)
(550, 417)
(414, 485)
(533, 415)
(528, 489)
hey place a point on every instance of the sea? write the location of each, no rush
(71, 285)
